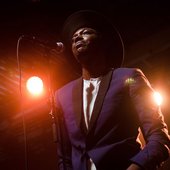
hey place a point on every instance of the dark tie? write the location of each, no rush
(89, 99)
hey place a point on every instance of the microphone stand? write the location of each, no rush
(56, 120)
(54, 117)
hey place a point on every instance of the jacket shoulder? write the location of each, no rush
(127, 71)
(127, 74)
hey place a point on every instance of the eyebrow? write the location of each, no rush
(79, 31)
(83, 29)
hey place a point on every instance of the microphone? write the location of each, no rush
(50, 45)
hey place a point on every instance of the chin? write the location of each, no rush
(82, 59)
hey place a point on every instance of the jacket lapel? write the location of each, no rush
(105, 82)
(78, 101)
(78, 105)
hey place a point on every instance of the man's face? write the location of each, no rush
(84, 43)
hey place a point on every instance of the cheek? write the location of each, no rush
(72, 48)
(74, 51)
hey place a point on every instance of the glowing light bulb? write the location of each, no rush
(34, 85)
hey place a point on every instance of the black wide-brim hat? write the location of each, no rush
(92, 19)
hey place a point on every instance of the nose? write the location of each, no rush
(77, 37)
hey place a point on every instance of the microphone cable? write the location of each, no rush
(22, 110)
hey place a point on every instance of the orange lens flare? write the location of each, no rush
(158, 98)
(35, 85)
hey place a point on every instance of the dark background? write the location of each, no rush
(145, 29)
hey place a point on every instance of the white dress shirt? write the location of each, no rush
(90, 91)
